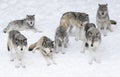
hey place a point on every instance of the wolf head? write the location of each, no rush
(61, 33)
(88, 26)
(30, 19)
(93, 37)
(84, 18)
(48, 45)
(102, 10)
(20, 42)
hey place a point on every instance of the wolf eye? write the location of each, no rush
(45, 46)
(16, 42)
(90, 34)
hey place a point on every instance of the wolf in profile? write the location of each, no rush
(45, 45)
(92, 42)
(61, 39)
(102, 19)
(74, 19)
(24, 24)
(18, 42)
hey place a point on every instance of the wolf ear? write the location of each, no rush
(52, 42)
(99, 4)
(33, 15)
(106, 4)
(27, 16)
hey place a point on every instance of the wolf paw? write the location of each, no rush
(48, 64)
(17, 66)
(82, 51)
(11, 60)
(63, 52)
(97, 61)
(23, 66)
(90, 62)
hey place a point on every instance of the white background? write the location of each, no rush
(71, 64)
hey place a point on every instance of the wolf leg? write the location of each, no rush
(83, 48)
(110, 28)
(91, 56)
(56, 46)
(105, 29)
(47, 60)
(36, 30)
(77, 34)
(10, 48)
(97, 56)
(62, 50)
(52, 58)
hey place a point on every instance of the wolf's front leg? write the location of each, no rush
(81, 34)
(91, 56)
(77, 34)
(105, 29)
(83, 47)
(97, 56)
(52, 58)
(62, 49)
(36, 30)
(22, 59)
(18, 57)
(12, 57)
(110, 28)
(56, 47)
(47, 60)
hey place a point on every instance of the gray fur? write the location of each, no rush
(18, 42)
(24, 24)
(61, 39)
(102, 19)
(92, 42)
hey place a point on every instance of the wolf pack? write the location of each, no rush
(89, 33)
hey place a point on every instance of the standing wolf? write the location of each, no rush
(24, 24)
(61, 39)
(92, 42)
(102, 19)
(46, 46)
(77, 19)
(18, 42)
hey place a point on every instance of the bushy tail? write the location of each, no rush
(113, 22)
(32, 46)
(5, 30)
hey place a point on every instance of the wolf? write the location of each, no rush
(102, 19)
(18, 42)
(92, 42)
(74, 19)
(61, 39)
(24, 24)
(46, 46)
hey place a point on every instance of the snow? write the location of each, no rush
(71, 64)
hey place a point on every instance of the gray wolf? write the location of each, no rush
(74, 19)
(61, 39)
(102, 19)
(92, 42)
(18, 42)
(24, 24)
(45, 45)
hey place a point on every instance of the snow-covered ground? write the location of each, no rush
(71, 64)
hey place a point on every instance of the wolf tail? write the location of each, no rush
(113, 22)
(32, 46)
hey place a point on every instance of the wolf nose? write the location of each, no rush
(91, 45)
(102, 13)
(21, 49)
